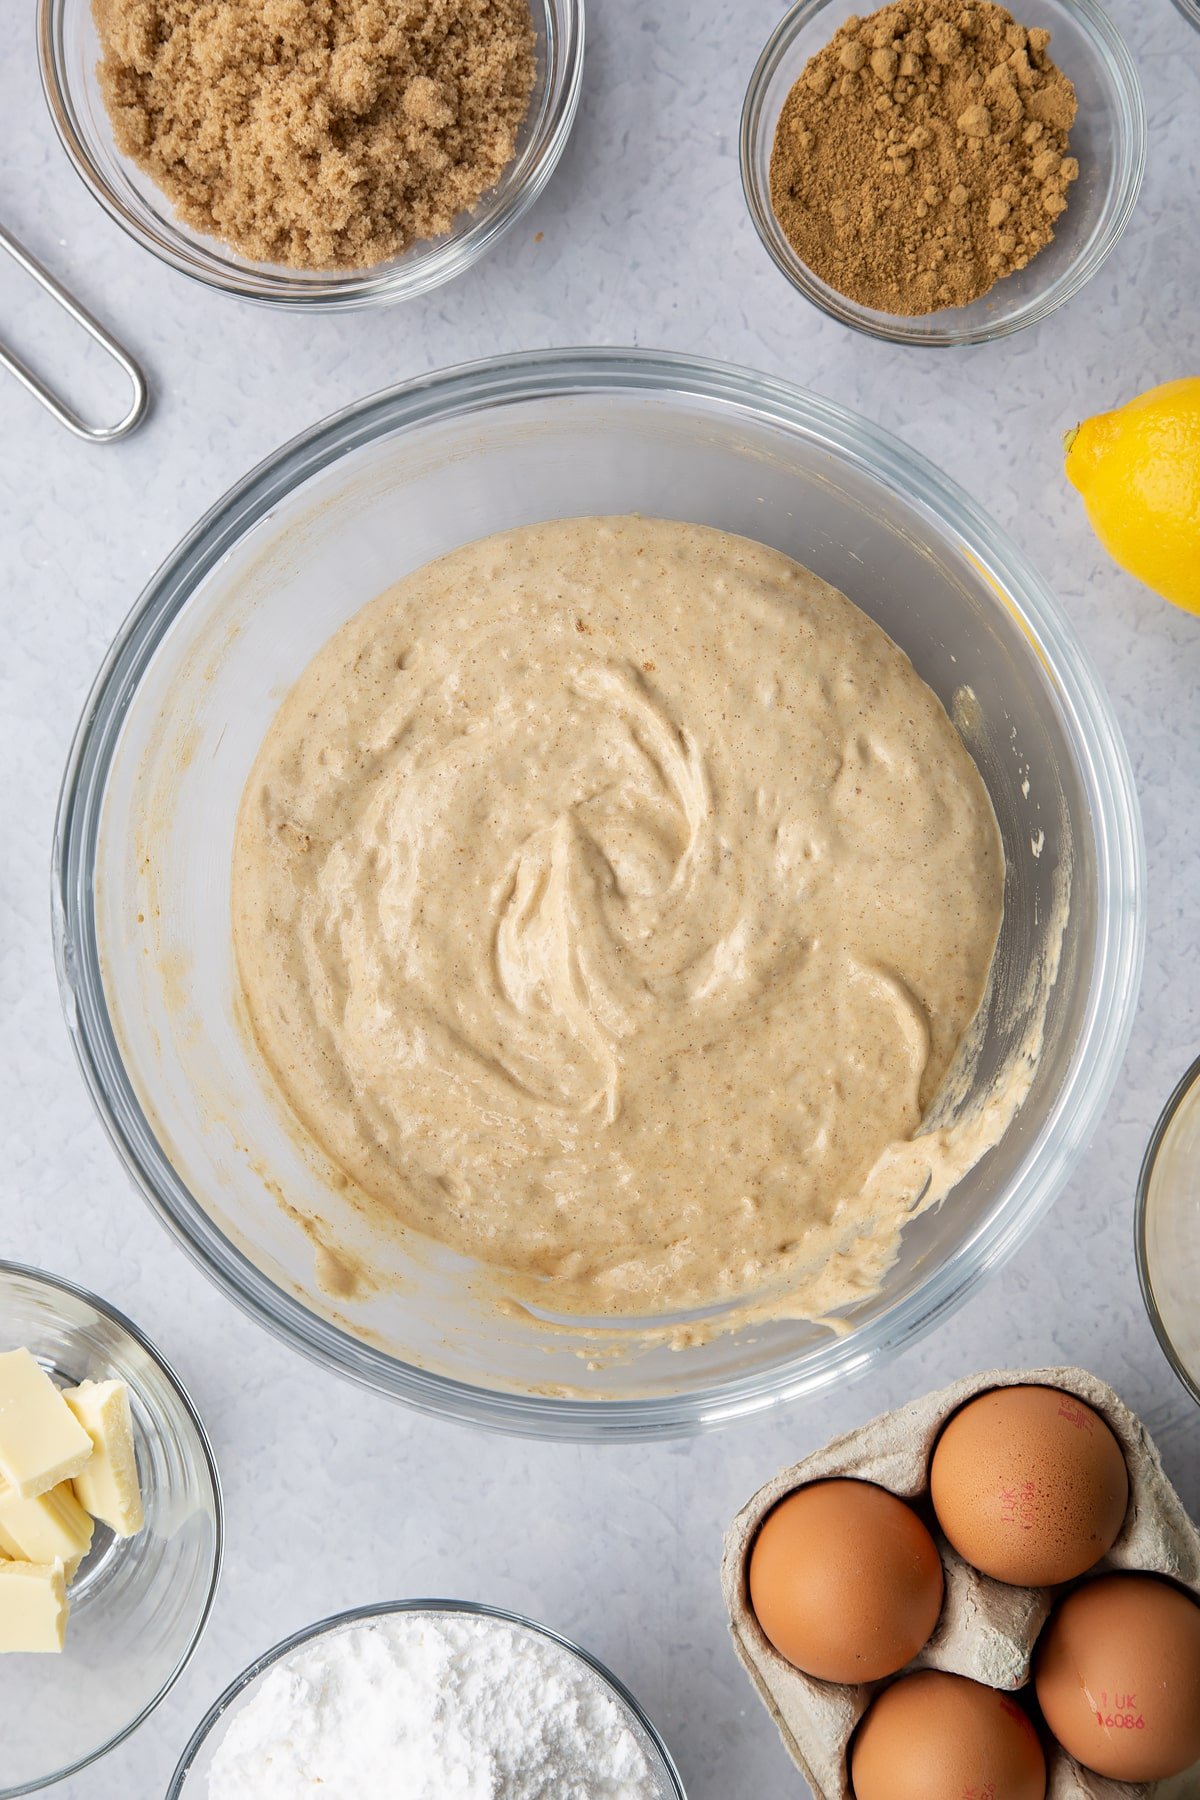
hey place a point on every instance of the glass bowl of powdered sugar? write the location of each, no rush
(427, 1698)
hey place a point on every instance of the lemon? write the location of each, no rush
(1138, 470)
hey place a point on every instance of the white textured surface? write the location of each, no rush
(335, 1498)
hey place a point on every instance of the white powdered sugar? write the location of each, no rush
(431, 1707)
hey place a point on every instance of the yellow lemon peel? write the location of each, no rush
(1138, 470)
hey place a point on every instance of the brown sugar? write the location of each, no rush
(922, 155)
(318, 133)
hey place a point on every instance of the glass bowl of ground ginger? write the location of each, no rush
(942, 173)
(349, 154)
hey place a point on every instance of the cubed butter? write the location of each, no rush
(33, 1606)
(50, 1528)
(108, 1486)
(41, 1440)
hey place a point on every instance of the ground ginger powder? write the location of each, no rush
(922, 155)
(318, 133)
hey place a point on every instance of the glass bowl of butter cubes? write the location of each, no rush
(110, 1529)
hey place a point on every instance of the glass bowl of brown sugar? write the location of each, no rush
(70, 51)
(1107, 141)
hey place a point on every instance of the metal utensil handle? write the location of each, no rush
(33, 384)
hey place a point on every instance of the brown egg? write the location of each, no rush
(1117, 1672)
(845, 1581)
(939, 1737)
(1029, 1485)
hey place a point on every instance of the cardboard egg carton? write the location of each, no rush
(987, 1629)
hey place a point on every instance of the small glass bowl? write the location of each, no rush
(1109, 138)
(1168, 1230)
(138, 1605)
(190, 1781)
(69, 49)
(1191, 11)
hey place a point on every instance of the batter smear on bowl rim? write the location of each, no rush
(611, 899)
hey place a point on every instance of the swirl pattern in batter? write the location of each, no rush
(610, 898)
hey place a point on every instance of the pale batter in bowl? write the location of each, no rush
(610, 900)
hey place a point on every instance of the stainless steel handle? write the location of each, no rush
(33, 384)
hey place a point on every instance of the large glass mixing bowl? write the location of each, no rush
(141, 892)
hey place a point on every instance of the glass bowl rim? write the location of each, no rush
(477, 1609)
(1103, 765)
(1141, 1226)
(1191, 11)
(895, 328)
(59, 1284)
(443, 260)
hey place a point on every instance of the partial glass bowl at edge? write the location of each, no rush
(1168, 1230)
(1109, 138)
(190, 1779)
(139, 1605)
(145, 830)
(68, 49)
